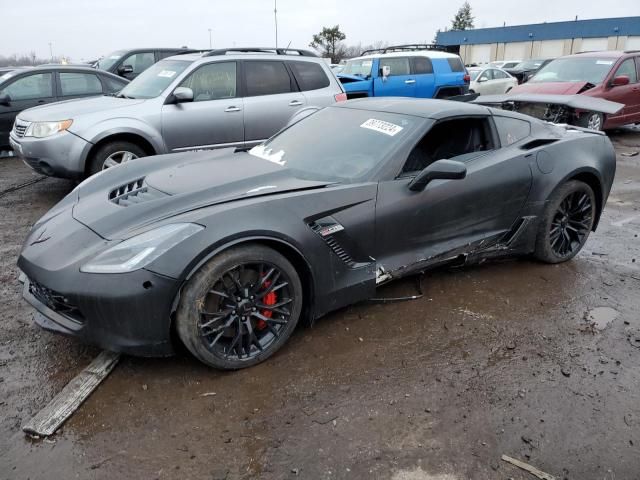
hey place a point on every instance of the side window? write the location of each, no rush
(628, 68)
(112, 85)
(31, 87)
(398, 65)
(455, 64)
(511, 130)
(422, 65)
(459, 138)
(309, 75)
(486, 75)
(139, 61)
(212, 82)
(499, 75)
(166, 53)
(266, 78)
(72, 83)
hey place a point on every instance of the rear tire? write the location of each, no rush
(229, 318)
(113, 153)
(566, 223)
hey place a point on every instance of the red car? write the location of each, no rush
(610, 75)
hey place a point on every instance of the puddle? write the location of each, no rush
(601, 317)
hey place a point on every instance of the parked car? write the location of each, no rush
(27, 87)
(487, 81)
(406, 71)
(525, 70)
(611, 75)
(505, 63)
(131, 63)
(224, 98)
(232, 249)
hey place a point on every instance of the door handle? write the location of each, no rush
(409, 82)
(295, 103)
(232, 109)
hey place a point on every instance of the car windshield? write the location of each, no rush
(354, 143)
(155, 79)
(529, 65)
(108, 61)
(510, 64)
(574, 69)
(358, 66)
(473, 74)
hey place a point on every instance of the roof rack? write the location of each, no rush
(632, 51)
(407, 48)
(276, 51)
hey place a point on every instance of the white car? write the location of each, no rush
(489, 81)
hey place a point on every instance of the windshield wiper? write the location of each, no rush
(122, 95)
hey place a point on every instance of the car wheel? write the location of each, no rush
(566, 223)
(240, 307)
(113, 154)
(592, 121)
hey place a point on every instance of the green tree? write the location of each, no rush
(463, 19)
(329, 43)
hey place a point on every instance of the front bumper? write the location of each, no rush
(60, 155)
(129, 313)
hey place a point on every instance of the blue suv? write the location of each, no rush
(422, 71)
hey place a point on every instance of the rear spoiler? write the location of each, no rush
(577, 102)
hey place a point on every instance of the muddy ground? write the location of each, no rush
(505, 358)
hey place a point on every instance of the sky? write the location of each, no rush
(87, 29)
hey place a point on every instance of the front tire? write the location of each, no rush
(566, 223)
(114, 153)
(592, 121)
(240, 307)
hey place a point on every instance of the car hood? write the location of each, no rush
(353, 83)
(148, 190)
(73, 108)
(558, 88)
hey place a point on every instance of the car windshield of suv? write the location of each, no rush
(574, 69)
(154, 80)
(355, 142)
(358, 66)
(108, 61)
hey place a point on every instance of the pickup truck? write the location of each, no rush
(405, 73)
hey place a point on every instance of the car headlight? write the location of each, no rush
(46, 129)
(139, 251)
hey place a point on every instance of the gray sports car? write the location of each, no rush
(230, 249)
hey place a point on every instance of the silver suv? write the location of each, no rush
(223, 98)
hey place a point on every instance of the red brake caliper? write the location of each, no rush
(269, 299)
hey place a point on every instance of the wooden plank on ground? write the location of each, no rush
(525, 466)
(62, 406)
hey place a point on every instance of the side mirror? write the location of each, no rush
(5, 99)
(386, 71)
(182, 95)
(439, 170)
(620, 81)
(125, 69)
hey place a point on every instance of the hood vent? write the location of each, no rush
(327, 229)
(134, 192)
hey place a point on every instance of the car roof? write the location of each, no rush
(48, 67)
(417, 53)
(193, 57)
(603, 53)
(417, 107)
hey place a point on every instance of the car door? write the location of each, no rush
(626, 94)
(214, 118)
(271, 98)
(451, 216)
(422, 69)
(501, 81)
(485, 82)
(399, 83)
(134, 64)
(78, 85)
(24, 91)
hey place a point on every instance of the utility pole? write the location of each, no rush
(210, 44)
(51, 51)
(275, 16)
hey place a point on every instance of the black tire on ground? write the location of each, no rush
(200, 295)
(97, 162)
(591, 120)
(573, 196)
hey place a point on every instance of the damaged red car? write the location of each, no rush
(611, 75)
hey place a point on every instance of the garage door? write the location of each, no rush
(517, 50)
(551, 48)
(593, 44)
(633, 43)
(480, 54)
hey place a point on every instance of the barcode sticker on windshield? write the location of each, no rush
(381, 126)
(167, 73)
(604, 62)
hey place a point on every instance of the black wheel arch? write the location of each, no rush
(591, 178)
